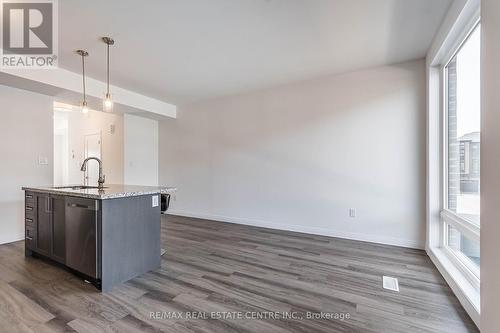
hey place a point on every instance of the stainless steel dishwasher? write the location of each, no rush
(82, 217)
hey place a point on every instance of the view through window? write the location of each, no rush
(463, 150)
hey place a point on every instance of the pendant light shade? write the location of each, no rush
(107, 103)
(85, 108)
(83, 54)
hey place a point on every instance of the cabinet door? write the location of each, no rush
(43, 224)
(58, 228)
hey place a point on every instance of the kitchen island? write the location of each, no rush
(105, 235)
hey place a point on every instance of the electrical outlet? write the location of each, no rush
(352, 212)
(154, 201)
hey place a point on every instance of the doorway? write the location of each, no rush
(92, 148)
(78, 136)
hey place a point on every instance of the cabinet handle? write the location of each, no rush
(29, 208)
(29, 238)
(29, 220)
(48, 204)
(29, 196)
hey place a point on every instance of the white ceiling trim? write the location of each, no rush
(67, 87)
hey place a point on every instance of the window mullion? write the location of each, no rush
(467, 228)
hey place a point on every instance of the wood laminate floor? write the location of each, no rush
(217, 269)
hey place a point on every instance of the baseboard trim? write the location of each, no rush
(304, 229)
(11, 239)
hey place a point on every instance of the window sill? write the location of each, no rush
(466, 293)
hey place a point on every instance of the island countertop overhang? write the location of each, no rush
(109, 191)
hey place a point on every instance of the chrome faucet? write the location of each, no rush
(102, 177)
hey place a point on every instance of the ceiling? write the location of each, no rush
(180, 51)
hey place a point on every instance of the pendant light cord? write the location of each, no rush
(83, 76)
(107, 82)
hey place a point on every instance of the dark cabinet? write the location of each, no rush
(30, 238)
(58, 228)
(106, 242)
(45, 225)
(30, 230)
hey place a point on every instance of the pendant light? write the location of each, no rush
(107, 103)
(83, 54)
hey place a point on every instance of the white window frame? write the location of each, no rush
(464, 226)
(459, 20)
(467, 268)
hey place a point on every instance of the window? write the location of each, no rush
(475, 165)
(461, 214)
(464, 247)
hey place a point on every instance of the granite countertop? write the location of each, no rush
(110, 191)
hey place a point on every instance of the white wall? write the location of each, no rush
(26, 134)
(140, 150)
(490, 166)
(297, 157)
(61, 148)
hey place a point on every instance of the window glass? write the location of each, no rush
(466, 248)
(463, 124)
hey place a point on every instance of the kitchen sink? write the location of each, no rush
(78, 187)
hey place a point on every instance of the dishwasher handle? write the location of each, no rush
(79, 205)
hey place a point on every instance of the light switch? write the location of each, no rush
(43, 160)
